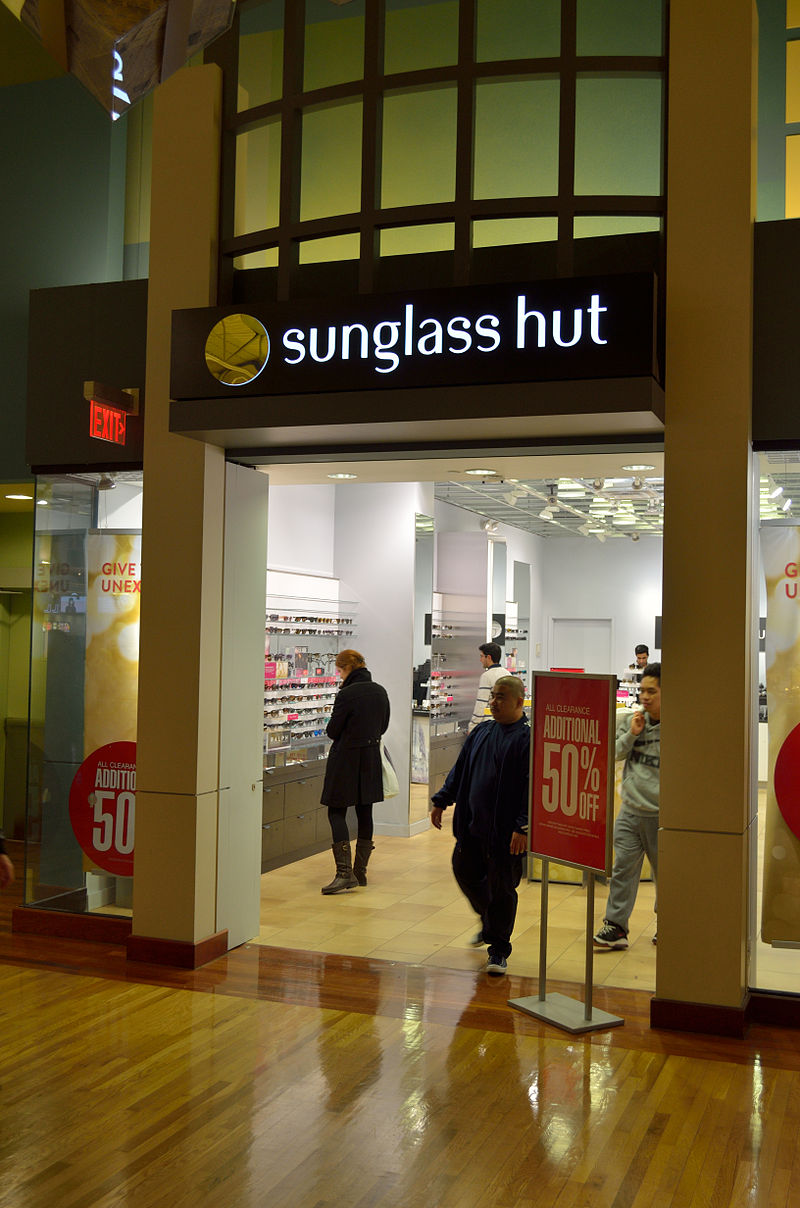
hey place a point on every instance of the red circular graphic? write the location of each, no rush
(102, 807)
(787, 780)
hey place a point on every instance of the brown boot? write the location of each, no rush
(364, 849)
(344, 878)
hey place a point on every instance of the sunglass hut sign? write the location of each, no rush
(544, 331)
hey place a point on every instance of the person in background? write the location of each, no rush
(490, 654)
(489, 785)
(633, 673)
(6, 867)
(636, 829)
(353, 773)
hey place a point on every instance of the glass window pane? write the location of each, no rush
(258, 175)
(618, 135)
(419, 147)
(793, 81)
(620, 27)
(793, 176)
(334, 44)
(405, 241)
(331, 164)
(516, 138)
(590, 226)
(260, 55)
(518, 29)
(266, 259)
(420, 34)
(334, 247)
(499, 232)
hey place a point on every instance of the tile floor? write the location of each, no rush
(412, 911)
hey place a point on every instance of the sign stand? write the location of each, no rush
(568, 1013)
(570, 809)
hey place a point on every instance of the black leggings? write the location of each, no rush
(337, 818)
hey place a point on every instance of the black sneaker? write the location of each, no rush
(655, 937)
(477, 940)
(611, 936)
(496, 966)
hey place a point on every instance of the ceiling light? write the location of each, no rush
(637, 484)
(772, 494)
(41, 503)
(545, 514)
(482, 473)
(598, 484)
(785, 507)
(634, 468)
(343, 476)
(19, 496)
(106, 483)
(489, 526)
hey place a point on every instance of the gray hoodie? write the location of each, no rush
(642, 755)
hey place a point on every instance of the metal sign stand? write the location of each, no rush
(568, 1013)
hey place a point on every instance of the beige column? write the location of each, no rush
(707, 746)
(182, 547)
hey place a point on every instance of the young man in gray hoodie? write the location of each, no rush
(636, 829)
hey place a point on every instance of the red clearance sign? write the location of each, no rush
(102, 805)
(572, 774)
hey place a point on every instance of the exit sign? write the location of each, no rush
(106, 423)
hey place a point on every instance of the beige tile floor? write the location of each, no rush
(412, 911)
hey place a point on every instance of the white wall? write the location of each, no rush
(301, 529)
(374, 559)
(620, 579)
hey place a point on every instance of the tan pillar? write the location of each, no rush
(182, 548)
(706, 800)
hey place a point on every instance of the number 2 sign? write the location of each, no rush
(102, 807)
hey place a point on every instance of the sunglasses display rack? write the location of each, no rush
(302, 640)
(515, 650)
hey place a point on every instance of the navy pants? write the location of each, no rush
(488, 879)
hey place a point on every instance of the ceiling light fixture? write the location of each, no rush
(343, 476)
(637, 484)
(490, 526)
(785, 506)
(106, 483)
(777, 491)
(479, 473)
(545, 514)
(19, 496)
(633, 468)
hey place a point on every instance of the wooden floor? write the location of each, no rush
(276, 1077)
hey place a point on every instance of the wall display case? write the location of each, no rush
(515, 651)
(458, 628)
(302, 638)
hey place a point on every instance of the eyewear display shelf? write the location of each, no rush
(455, 637)
(302, 639)
(515, 651)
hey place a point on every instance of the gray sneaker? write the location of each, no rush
(611, 936)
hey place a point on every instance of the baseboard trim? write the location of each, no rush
(180, 954)
(775, 1008)
(710, 1018)
(104, 929)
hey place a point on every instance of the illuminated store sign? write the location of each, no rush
(537, 331)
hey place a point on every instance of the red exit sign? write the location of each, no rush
(107, 423)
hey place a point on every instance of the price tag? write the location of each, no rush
(102, 807)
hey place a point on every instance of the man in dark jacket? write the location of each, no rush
(489, 784)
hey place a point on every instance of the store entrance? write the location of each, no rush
(415, 564)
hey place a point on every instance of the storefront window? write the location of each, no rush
(334, 50)
(516, 138)
(620, 27)
(331, 168)
(419, 147)
(260, 55)
(518, 29)
(403, 241)
(775, 959)
(499, 232)
(420, 35)
(80, 818)
(618, 135)
(258, 177)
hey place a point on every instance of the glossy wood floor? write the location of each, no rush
(273, 1077)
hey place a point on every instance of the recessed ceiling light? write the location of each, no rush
(42, 503)
(634, 468)
(19, 496)
(343, 476)
(482, 473)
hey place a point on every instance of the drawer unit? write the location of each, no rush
(323, 826)
(272, 840)
(272, 802)
(302, 796)
(300, 831)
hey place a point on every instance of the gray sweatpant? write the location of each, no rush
(635, 836)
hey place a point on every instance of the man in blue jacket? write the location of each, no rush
(489, 784)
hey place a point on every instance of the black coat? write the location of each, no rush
(360, 715)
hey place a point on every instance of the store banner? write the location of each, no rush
(780, 906)
(102, 796)
(572, 769)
